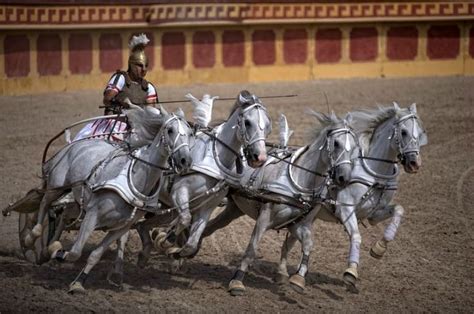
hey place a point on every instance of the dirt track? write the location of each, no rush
(430, 266)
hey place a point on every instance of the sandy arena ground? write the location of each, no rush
(429, 268)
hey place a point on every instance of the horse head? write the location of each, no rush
(407, 137)
(175, 135)
(339, 146)
(254, 125)
(168, 130)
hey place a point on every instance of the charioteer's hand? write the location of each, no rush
(122, 100)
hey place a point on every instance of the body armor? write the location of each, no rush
(135, 91)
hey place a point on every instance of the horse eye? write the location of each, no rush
(336, 144)
(404, 133)
(247, 123)
(170, 131)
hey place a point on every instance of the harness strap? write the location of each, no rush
(379, 159)
(274, 155)
(212, 135)
(147, 162)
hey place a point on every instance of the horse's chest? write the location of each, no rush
(378, 198)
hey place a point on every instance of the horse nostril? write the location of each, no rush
(183, 161)
(413, 164)
(341, 179)
(255, 156)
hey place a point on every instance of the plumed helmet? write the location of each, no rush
(137, 51)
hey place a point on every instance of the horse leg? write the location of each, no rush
(78, 284)
(88, 225)
(115, 275)
(167, 241)
(143, 230)
(347, 216)
(394, 211)
(302, 232)
(230, 213)
(282, 274)
(304, 235)
(48, 198)
(197, 228)
(180, 198)
(236, 286)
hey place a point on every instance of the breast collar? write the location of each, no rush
(123, 185)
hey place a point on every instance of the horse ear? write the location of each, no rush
(413, 108)
(396, 106)
(348, 119)
(180, 113)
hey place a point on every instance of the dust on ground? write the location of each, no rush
(429, 267)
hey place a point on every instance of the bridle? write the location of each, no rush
(242, 133)
(164, 141)
(335, 161)
(411, 146)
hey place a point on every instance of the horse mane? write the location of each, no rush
(322, 125)
(248, 99)
(366, 121)
(146, 123)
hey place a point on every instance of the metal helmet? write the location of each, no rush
(137, 51)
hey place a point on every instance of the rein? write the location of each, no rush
(212, 135)
(148, 163)
(379, 159)
(274, 155)
(170, 150)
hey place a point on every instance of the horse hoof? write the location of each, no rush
(298, 283)
(236, 288)
(53, 248)
(37, 231)
(115, 279)
(173, 252)
(281, 279)
(378, 249)
(160, 242)
(187, 251)
(76, 287)
(350, 279)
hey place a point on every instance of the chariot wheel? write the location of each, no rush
(38, 253)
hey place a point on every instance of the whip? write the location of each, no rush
(226, 98)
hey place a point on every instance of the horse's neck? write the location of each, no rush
(228, 135)
(380, 147)
(145, 177)
(311, 160)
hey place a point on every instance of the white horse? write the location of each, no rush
(288, 187)
(387, 135)
(218, 161)
(120, 187)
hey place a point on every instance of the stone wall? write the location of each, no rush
(59, 46)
